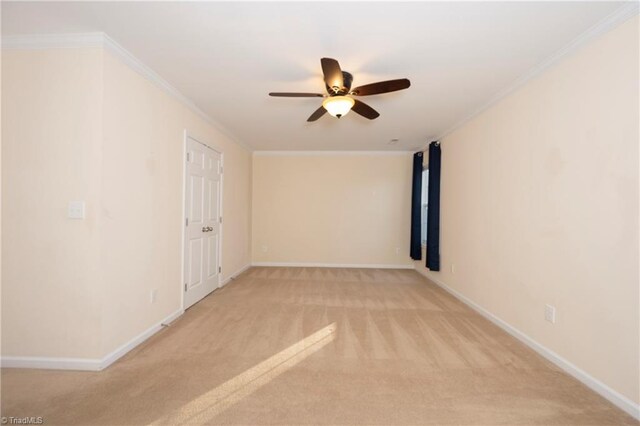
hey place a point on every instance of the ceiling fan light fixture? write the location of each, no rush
(338, 105)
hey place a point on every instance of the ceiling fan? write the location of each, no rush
(339, 98)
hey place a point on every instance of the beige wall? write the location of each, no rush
(540, 205)
(332, 209)
(51, 154)
(142, 201)
(81, 125)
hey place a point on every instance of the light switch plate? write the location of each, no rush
(550, 313)
(76, 210)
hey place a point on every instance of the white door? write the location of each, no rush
(202, 221)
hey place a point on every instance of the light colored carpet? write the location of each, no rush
(318, 346)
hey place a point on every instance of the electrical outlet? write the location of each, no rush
(550, 313)
(154, 295)
(453, 268)
(76, 210)
(397, 250)
(265, 249)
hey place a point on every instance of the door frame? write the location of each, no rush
(189, 135)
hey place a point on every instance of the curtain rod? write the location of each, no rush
(427, 148)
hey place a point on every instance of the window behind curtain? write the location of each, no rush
(425, 192)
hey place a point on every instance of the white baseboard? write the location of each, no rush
(122, 350)
(331, 265)
(85, 364)
(235, 274)
(591, 382)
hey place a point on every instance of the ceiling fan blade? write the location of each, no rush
(317, 114)
(296, 95)
(332, 72)
(381, 87)
(365, 110)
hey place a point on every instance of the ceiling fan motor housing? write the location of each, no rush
(347, 79)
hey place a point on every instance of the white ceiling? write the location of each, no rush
(226, 57)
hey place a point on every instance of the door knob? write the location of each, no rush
(204, 229)
(209, 228)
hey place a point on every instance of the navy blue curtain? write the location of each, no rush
(433, 213)
(416, 207)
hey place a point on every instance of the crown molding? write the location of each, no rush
(102, 40)
(79, 40)
(137, 65)
(618, 17)
(331, 153)
(53, 41)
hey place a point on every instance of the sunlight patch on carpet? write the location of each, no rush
(208, 405)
